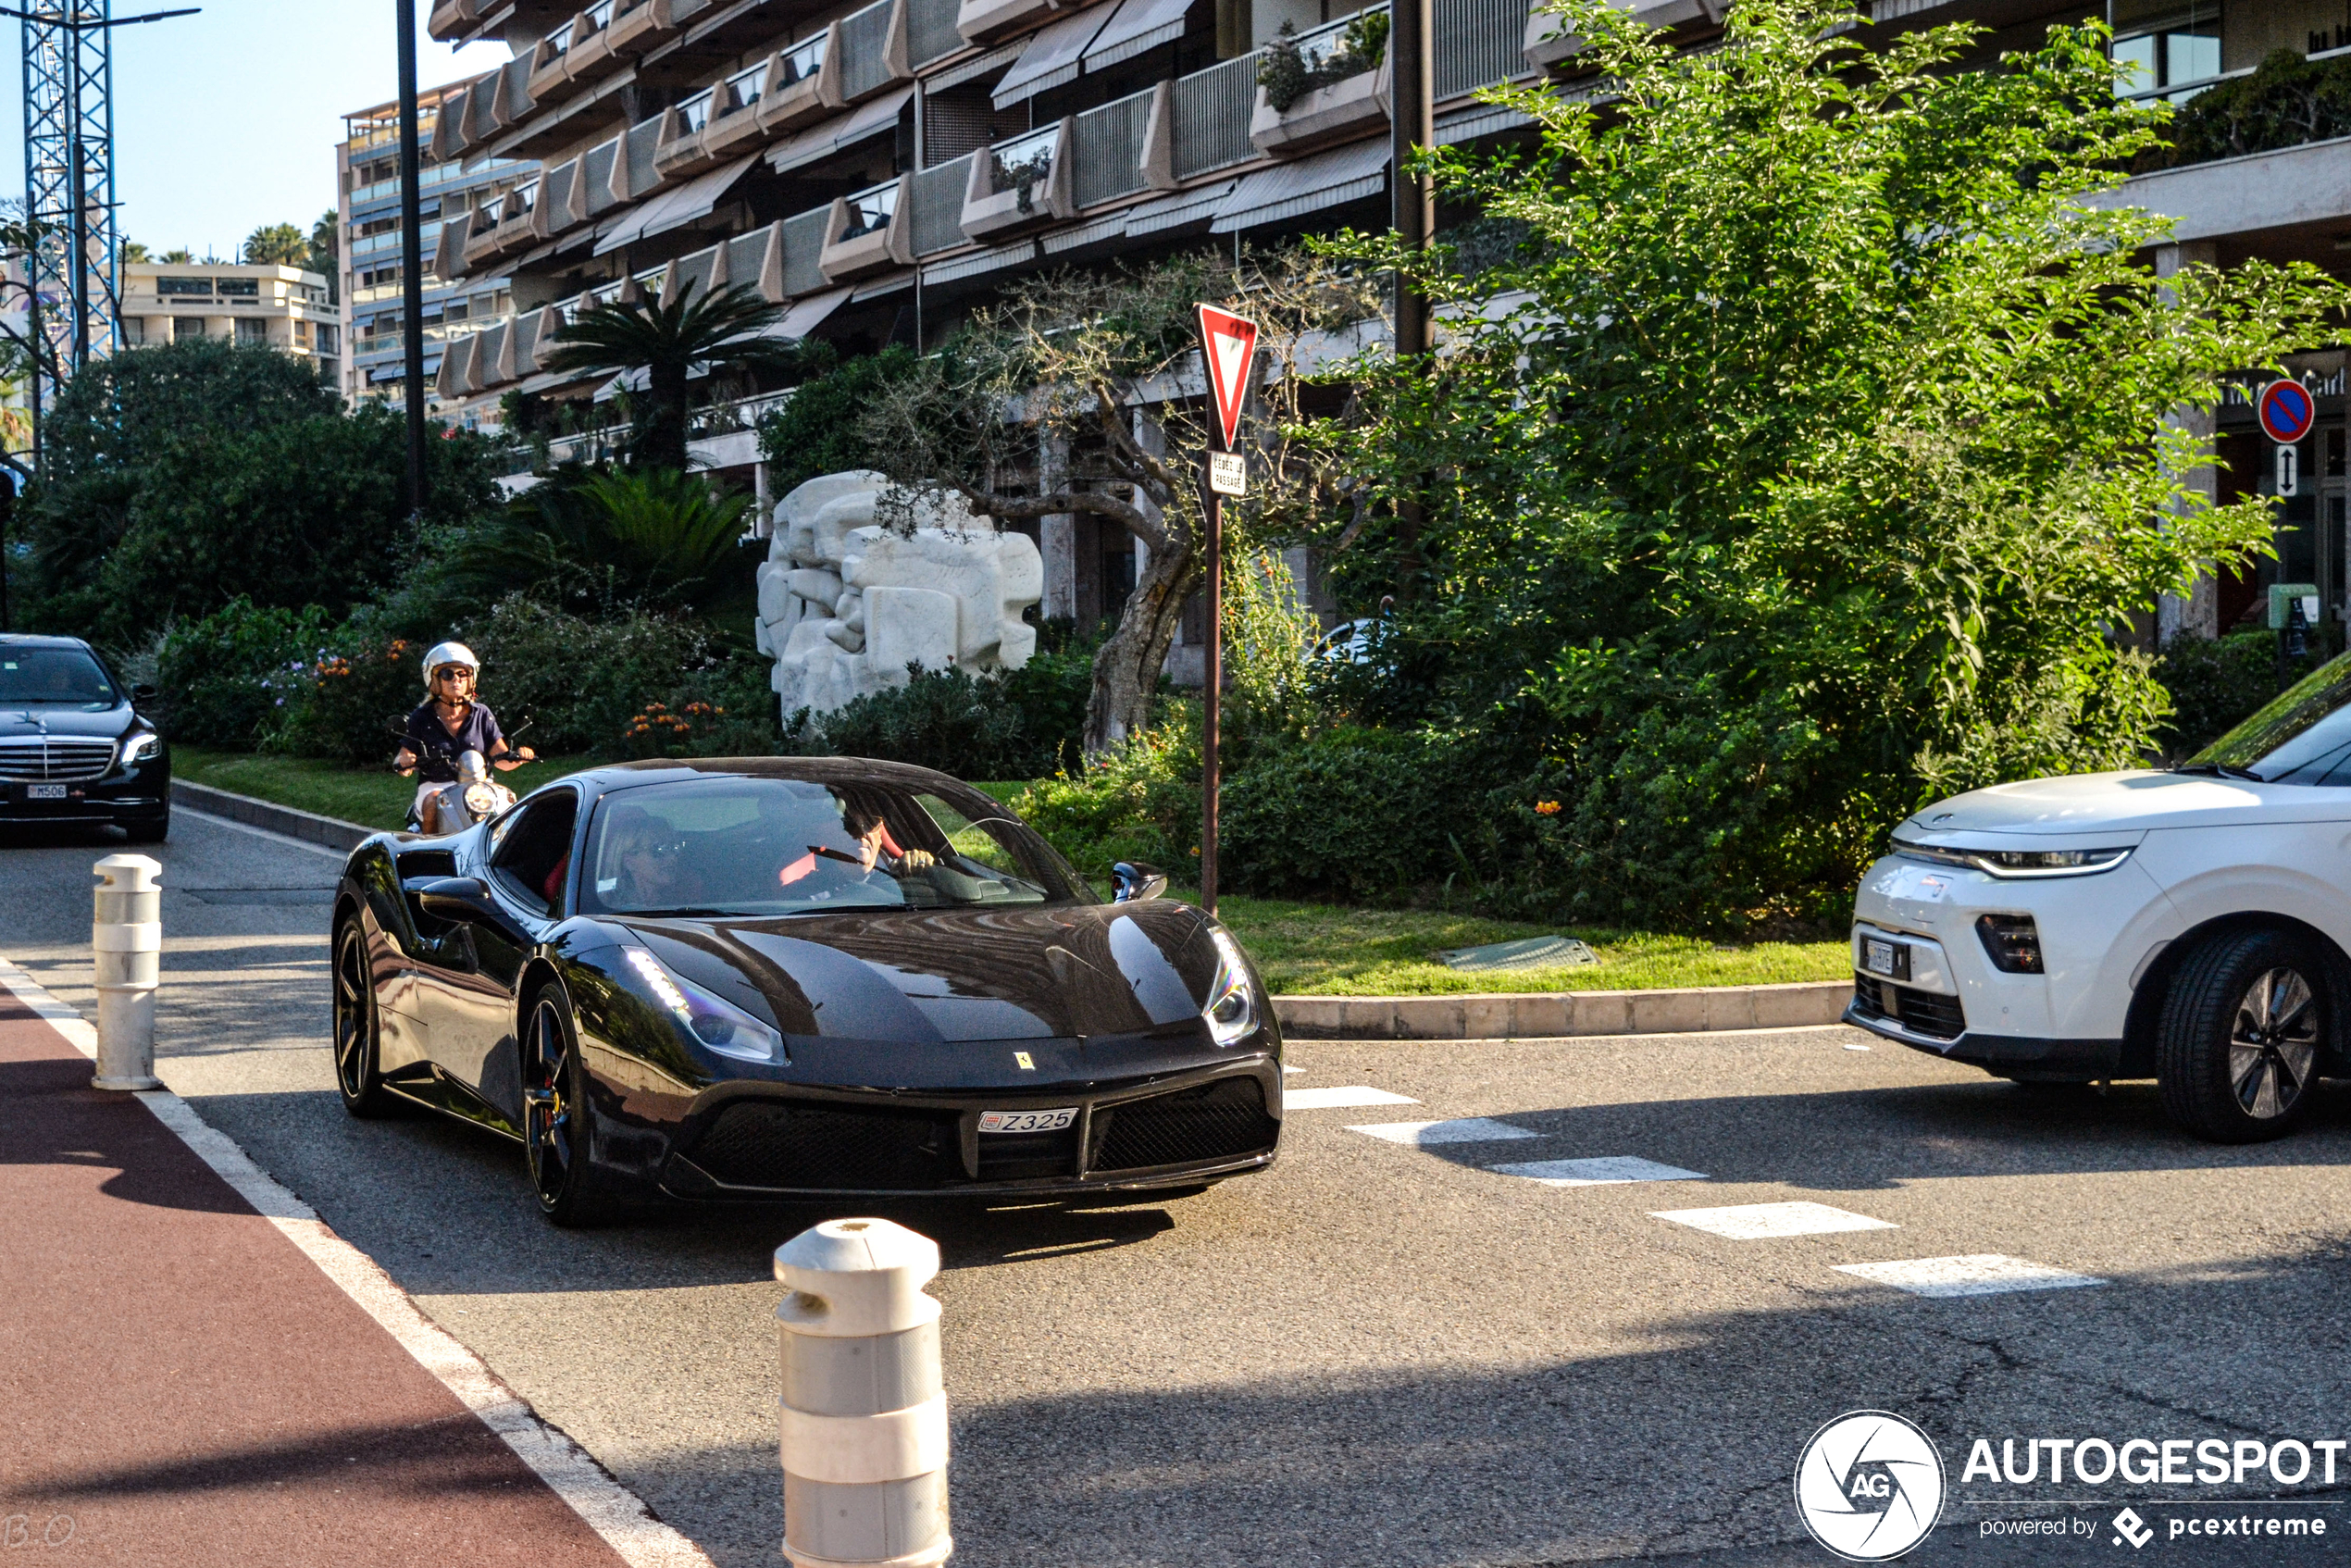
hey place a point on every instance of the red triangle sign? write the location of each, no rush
(1227, 344)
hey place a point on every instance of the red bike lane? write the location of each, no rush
(183, 1385)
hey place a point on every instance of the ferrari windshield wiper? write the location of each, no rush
(2219, 770)
(682, 911)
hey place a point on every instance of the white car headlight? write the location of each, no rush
(720, 1025)
(140, 747)
(1232, 1005)
(2014, 864)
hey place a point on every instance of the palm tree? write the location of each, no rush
(278, 244)
(179, 255)
(652, 538)
(134, 253)
(664, 343)
(326, 250)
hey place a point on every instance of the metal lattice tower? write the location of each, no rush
(69, 173)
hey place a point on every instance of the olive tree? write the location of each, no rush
(1083, 393)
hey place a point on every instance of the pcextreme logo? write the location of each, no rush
(1868, 1486)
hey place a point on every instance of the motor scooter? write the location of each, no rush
(475, 797)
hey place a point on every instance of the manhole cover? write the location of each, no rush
(1530, 952)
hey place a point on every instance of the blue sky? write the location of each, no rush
(229, 120)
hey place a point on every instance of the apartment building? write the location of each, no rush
(373, 249)
(280, 307)
(881, 166)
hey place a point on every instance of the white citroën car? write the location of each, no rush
(2190, 925)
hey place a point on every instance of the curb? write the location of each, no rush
(308, 825)
(1546, 1015)
(1501, 1016)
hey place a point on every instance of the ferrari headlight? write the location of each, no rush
(140, 747)
(1232, 1005)
(716, 1024)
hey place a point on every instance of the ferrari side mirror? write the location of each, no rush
(1135, 882)
(458, 898)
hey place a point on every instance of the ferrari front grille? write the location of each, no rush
(777, 1143)
(1223, 1120)
(53, 760)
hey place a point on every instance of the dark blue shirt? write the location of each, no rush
(437, 750)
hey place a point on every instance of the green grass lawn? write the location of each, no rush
(371, 797)
(1328, 949)
(1302, 949)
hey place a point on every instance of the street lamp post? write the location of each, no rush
(412, 271)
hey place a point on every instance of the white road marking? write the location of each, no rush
(1981, 1273)
(1467, 1130)
(610, 1509)
(1760, 1222)
(1849, 1046)
(1287, 1070)
(1340, 1099)
(1607, 1170)
(209, 820)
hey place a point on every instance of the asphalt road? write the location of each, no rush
(1378, 1352)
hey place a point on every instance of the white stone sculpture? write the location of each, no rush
(847, 602)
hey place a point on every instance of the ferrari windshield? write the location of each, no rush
(53, 674)
(2302, 737)
(726, 844)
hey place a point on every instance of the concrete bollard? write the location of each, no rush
(863, 1409)
(126, 936)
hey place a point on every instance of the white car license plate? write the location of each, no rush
(45, 791)
(1878, 957)
(1027, 1121)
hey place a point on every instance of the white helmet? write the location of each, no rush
(449, 653)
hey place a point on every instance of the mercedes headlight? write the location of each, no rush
(140, 747)
(716, 1024)
(1232, 1005)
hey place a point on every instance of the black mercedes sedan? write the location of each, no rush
(73, 746)
(772, 979)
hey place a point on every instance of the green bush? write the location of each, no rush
(1141, 802)
(2216, 683)
(225, 680)
(2287, 100)
(348, 690)
(819, 430)
(1017, 724)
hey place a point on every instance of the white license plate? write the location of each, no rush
(1877, 957)
(45, 791)
(1027, 1121)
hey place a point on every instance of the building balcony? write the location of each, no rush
(1341, 107)
(450, 18)
(984, 21)
(681, 149)
(868, 233)
(803, 83)
(1019, 185)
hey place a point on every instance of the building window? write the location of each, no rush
(134, 330)
(185, 328)
(2180, 53)
(252, 331)
(239, 288)
(328, 336)
(184, 288)
(302, 333)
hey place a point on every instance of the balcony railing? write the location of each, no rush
(930, 29)
(871, 209)
(1106, 148)
(1477, 43)
(866, 65)
(1213, 108)
(803, 252)
(1023, 160)
(938, 198)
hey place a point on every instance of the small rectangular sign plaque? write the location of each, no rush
(1227, 473)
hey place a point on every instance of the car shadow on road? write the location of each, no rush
(1856, 1139)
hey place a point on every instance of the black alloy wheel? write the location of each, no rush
(556, 1116)
(2238, 1044)
(356, 1075)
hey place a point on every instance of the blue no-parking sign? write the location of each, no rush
(2287, 411)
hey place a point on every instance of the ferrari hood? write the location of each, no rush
(951, 975)
(2105, 804)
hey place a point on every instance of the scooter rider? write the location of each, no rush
(449, 723)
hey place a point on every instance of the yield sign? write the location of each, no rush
(1227, 343)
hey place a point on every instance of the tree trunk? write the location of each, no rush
(664, 438)
(1126, 666)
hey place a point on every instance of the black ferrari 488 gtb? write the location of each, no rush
(772, 979)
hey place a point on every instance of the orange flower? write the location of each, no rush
(1547, 808)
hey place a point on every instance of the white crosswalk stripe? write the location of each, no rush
(1607, 1170)
(1758, 1222)
(1979, 1273)
(1465, 1130)
(1341, 1098)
